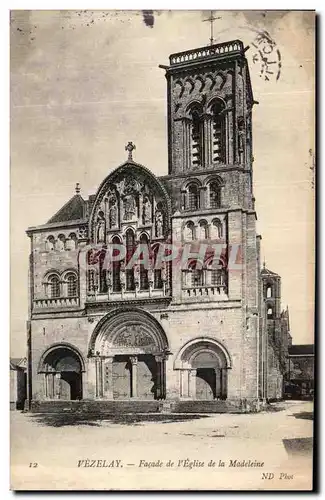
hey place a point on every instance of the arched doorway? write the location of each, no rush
(62, 366)
(203, 365)
(208, 375)
(129, 349)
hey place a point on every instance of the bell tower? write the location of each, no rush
(209, 109)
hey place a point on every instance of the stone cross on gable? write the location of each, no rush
(130, 147)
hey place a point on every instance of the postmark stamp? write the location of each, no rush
(267, 55)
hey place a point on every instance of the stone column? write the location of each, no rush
(186, 143)
(209, 224)
(163, 377)
(64, 288)
(136, 276)
(52, 385)
(109, 282)
(184, 201)
(218, 383)
(49, 385)
(45, 385)
(134, 376)
(202, 197)
(140, 208)
(185, 383)
(150, 277)
(230, 140)
(159, 381)
(192, 384)
(208, 140)
(224, 372)
(99, 388)
(57, 386)
(108, 377)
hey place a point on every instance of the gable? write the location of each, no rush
(130, 193)
(72, 210)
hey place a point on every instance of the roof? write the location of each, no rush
(72, 210)
(301, 349)
(267, 272)
(18, 363)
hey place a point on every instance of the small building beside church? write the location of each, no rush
(18, 383)
(300, 374)
(207, 327)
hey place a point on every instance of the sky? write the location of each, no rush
(84, 83)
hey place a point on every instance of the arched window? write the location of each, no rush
(54, 287)
(197, 274)
(189, 231)
(49, 244)
(218, 132)
(203, 228)
(197, 277)
(269, 292)
(103, 284)
(157, 274)
(214, 195)
(216, 229)
(72, 285)
(60, 243)
(216, 277)
(130, 247)
(196, 137)
(71, 242)
(116, 267)
(144, 282)
(270, 313)
(217, 274)
(193, 197)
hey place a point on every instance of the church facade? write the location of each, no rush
(152, 288)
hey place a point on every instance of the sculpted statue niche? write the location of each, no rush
(159, 221)
(146, 210)
(112, 216)
(129, 189)
(101, 227)
(130, 206)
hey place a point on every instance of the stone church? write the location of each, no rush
(188, 335)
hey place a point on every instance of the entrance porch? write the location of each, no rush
(127, 356)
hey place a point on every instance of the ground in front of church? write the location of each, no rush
(165, 452)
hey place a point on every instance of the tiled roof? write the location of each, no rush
(301, 349)
(267, 272)
(72, 210)
(18, 363)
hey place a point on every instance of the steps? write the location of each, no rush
(104, 407)
(204, 407)
(95, 407)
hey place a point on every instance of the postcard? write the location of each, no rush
(162, 250)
